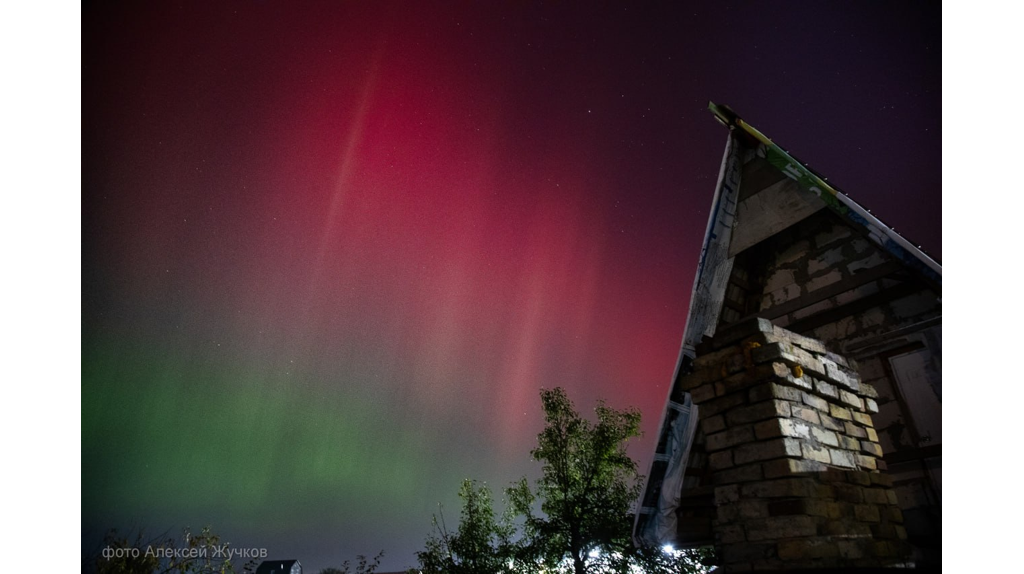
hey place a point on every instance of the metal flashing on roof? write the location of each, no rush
(837, 201)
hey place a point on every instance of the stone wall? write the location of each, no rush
(793, 454)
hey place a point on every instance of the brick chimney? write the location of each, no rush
(794, 457)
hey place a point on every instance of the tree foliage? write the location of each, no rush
(577, 518)
(480, 545)
(363, 565)
(586, 490)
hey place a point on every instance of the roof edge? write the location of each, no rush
(837, 201)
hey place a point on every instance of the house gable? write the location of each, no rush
(784, 245)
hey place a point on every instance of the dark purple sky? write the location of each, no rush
(332, 251)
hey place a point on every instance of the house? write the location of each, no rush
(788, 259)
(279, 567)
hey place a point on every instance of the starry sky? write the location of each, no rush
(333, 250)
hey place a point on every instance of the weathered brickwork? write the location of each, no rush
(825, 280)
(798, 478)
(825, 253)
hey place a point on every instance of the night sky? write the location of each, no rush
(332, 251)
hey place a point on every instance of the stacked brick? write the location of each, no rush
(794, 456)
(826, 254)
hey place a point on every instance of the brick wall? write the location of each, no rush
(825, 280)
(793, 454)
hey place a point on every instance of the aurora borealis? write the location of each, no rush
(332, 251)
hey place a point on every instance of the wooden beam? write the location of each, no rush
(863, 304)
(912, 453)
(856, 347)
